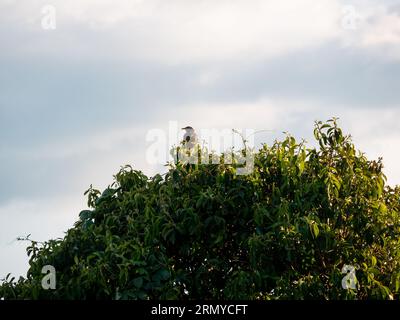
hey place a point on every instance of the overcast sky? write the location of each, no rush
(77, 101)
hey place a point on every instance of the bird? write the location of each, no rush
(189, 137)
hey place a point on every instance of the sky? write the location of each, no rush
(83, 82)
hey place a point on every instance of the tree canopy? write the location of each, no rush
(285, 231)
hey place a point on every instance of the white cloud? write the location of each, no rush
(384, 36)
(271, 114)
(192, 31)
(208, 78)
(386, 31)
(376, 30)
(102, 141)
(178, 31)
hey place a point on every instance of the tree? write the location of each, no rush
(202, 232)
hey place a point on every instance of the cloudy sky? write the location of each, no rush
(77, 100)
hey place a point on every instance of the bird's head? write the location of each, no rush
(187, 128)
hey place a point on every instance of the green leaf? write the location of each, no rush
(85, 214)
(161, 275)
(373, 261)
(301, 166)
(315, 230)
(138, 282)
(382, 208)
